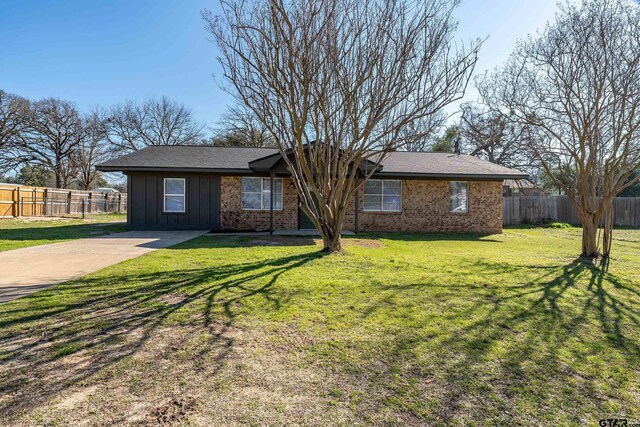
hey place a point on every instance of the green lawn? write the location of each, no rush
(401, 330)
(20, 233)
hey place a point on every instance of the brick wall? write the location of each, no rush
(232, 217)
(425, 208)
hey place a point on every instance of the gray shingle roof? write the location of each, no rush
(188, 157)
(444, 165)
(236, 160)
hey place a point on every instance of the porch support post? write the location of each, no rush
(271, 179)
(356, 208)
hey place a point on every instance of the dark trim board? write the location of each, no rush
(440, 177)
(142, 169)
(145, 210)
(281, 171)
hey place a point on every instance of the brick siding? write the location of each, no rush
(425, 208)
(232, 217)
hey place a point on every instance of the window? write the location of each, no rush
(174, 189)
(383, 195)
(256, 194)
(459, 196)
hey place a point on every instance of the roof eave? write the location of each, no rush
(105, 168)
(462, 176)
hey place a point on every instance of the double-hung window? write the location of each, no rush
(459, 196)
(174, 191)
(256, 193)
(383, 195)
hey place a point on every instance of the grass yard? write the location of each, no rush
(20, 233)
(401, 330)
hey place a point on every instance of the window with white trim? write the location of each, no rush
(459, 196)
(256, 193)
(174, 191)
(382, 195)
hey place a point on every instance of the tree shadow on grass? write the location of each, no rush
(105, 319)
(241, 241)
(55, 231)
(540, 322)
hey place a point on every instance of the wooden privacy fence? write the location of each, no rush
(541, 209)
(18, 201)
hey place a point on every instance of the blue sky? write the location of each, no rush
(104, 52)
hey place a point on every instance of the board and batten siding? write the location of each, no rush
(145, 203)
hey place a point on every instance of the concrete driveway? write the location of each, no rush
(27, 270)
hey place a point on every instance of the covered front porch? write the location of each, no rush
(283, 199)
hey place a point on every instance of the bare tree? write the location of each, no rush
(93, 150)
(336, 82)
(239, 127)
(577, 89)
(13, 111)
(53, 130)
(432, 124)
(490, 136)
(161, 121)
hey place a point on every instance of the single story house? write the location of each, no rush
(229, 188)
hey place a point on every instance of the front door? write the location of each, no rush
(304, 222)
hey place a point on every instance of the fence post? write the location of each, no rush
(18, 212)
(69, 203)
(119, 201)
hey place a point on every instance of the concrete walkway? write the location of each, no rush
(27, 270)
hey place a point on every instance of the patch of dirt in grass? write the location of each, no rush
(200, 374)
(281, 241)
(171, 411)
(172, 298)
(77, 397)
(309, 241)
(29, 219)
(15, 343)
(225, 331)
(268, 380)
(363, 243)
(77, 361)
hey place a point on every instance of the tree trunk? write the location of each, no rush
(331, 241)
(590, 236)
(59, 173)
(607, 232)
(330, 232)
